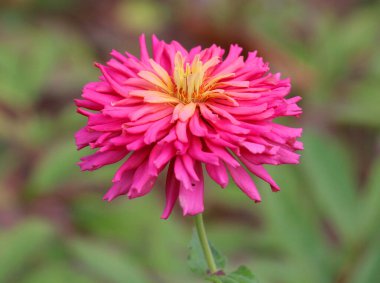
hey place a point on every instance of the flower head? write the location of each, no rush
(186, 109)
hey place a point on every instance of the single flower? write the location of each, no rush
(187, 109)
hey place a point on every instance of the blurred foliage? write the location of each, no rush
(196, 259)
(322, 227)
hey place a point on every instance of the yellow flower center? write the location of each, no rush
(191, 81)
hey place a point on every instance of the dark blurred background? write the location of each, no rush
(322, 227)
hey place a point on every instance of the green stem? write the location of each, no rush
(204, 243)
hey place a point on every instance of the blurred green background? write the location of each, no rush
(323, 227)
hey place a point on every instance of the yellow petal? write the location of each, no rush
(162, 73)
(152, 78)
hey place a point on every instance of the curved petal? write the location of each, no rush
(191, 200)
(172, 191)
(218, 173)
(244, 182)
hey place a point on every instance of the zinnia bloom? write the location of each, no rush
(188, 110)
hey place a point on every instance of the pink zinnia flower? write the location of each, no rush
(187, 108)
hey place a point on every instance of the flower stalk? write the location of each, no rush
(205, 243)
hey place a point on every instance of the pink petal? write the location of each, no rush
(254, 147)
(224, 114)
(196, 152)
(120, 187)
(233, 54)
(152, 117)
(136, 144)
(181, 174)
(143, 49)
(181, 131)
(122, 68)
(113, 83)
(181, 147)
(187, 111)
(133, 161)
(88, 104)
(260, 172)
(244, 182)
(83, 137)
(146, 110)
(100, 98)
(223, 154)
(197, 126)
(191, 200)
(207, 113)
(231, 68)
(172, 192)
(142, 183)
(177, 109)
(157, 129)
(288, 157)
(188, 163)
(218, 173)
(100, 159)
(161, 154)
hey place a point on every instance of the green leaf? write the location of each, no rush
(117, 222)
(368, 268)
(329, 173)
(340, 42)
(21, 245)
(292, 228)
(110, 264)
(361, 106)
(241, 275)
(25, 62)
(141, 16)
(31, 65)
(58, 273)
(369, 204)
(196, 259)
(56, 168)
